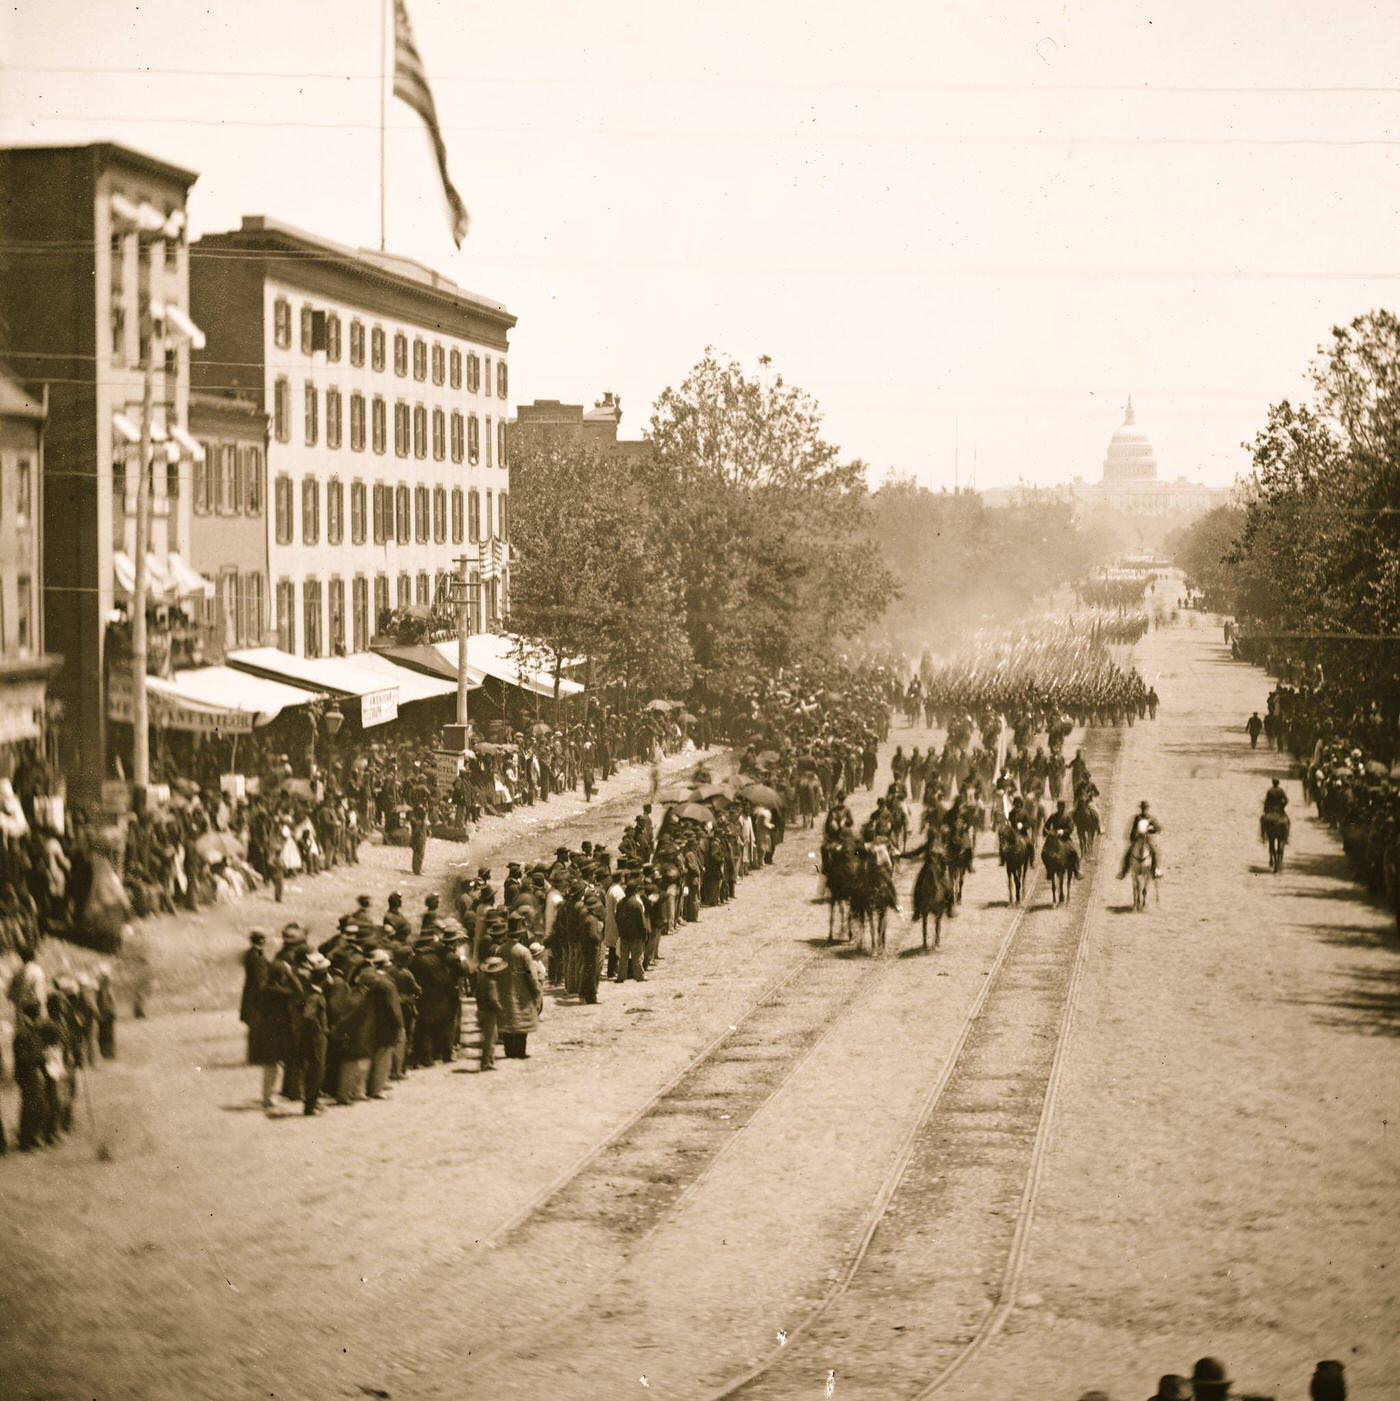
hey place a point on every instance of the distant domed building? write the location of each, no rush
(1129, 491)
(1129, 457)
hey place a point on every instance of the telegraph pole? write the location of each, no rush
(140, 715)
(463, 628)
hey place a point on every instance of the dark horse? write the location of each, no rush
(933, 895)
(1086, 825)
(1017, 853)
(1057, 856)
(1275, 828)
(841, 870)
(872, 899)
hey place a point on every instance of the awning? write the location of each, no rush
(413, 685)
(423, 657)
(342, 676)
(160, 587)
(187, 580)
(205, 699)
(489, 654)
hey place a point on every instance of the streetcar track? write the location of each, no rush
(783, 1360)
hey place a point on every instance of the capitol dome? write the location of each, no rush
(1129, 457)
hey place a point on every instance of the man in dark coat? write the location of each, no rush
(418, 830)
(315, 1031)
(395, 921)
(386, 1020)
(633, 931)
(353, 1031)
(254, 976)
(409, 992)
(432, 1035)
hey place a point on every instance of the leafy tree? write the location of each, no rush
(1201, 550)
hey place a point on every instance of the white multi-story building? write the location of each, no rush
(387, 390)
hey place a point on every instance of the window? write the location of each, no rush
(282, 409)
(400, 429)
(359, 608)
(253, 610)
(424, 588)
(282, 510)
(230, 487)
(336, 631)
(439, 362)
(311, 616)
(282, 323)
(502, 516)
(454, 369)
(253, 483)
(502, 380)
(308, 332)
(457, 510)
(335, 511)
(440, 514)
(486, 379)
(401, 513)
(420, 515)
(311, 511)
(400, 353)
(383, 514)
(286, 615)
(24, 621)
(376, 348)
(439, 435)
(457, 431)
(487, 521)
(488, 439)
(474, 516)
(198, 501)
(405, 591)
(332, 418)
(381, 598)
(228, 606)
(473, 372)
(442, 588)
(172, 497)
(333, 337)
(473, 439)
(357, 343)
(357, 513)
(118, 331)
(380, 417)
(357, 423)
(420, 358)
(501, 443)
(420, 431)
(312, 415)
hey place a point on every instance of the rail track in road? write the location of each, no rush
(935, 1275)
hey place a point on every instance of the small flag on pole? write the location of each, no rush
(411, 84)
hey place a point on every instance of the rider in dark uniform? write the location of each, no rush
(1275, 800)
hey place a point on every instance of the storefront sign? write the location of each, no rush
(446, 769)
(379, 707)
(168, 713)
(19, 718)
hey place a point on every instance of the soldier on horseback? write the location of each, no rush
(1062, 825)
(1275, 800)
(1143, 827)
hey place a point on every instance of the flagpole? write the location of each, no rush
(383, 99)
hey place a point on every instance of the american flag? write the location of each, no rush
(411, 84)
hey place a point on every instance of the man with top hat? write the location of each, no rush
(254, 976)
(1209, 1380)
(314, 1030)
(284, 987)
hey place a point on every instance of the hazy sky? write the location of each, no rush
(996, 215)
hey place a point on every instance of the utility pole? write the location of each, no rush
(463, 563)
(140, 714)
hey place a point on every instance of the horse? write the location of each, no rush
(839, 866)
(809, 794)
(872, 899)
(1275, 828)
(1057, 856)
(1086, 825)
(1140, 867)
(960, 854)
(1017, 852)
(933, 895)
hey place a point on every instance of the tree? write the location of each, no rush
(766, 527)
(1201, 551)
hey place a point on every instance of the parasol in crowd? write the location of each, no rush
(709, 792)
(686, 718)
(761, 795)
(539, 729)
(695, 812)
(660, 707)
(673, 795)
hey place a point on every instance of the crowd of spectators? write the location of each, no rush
(1210, 1381)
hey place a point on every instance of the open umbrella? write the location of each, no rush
(761, 795)
(695, 812)
(674, 795)
(540, 729)
(707, 792)
(659, 706)
(686, 718)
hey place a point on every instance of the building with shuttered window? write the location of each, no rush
(387, 395)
